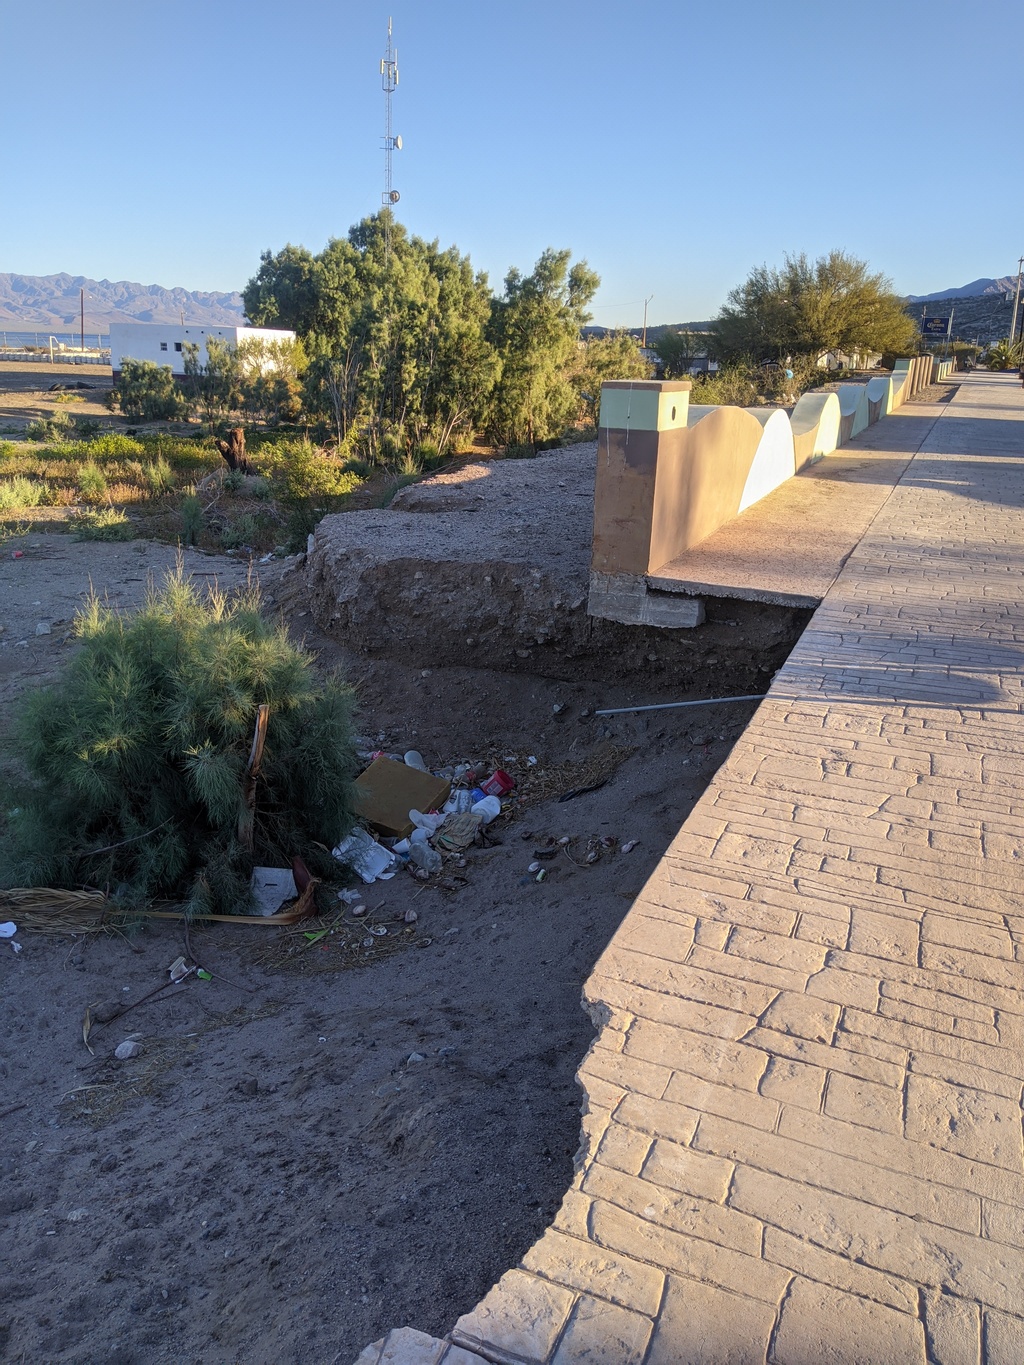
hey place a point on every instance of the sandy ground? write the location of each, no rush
(323, 1141)
(26, 394)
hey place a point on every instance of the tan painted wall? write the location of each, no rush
(668, 476)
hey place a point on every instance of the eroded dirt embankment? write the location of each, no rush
(488, 567)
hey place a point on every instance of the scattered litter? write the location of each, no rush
(387, 791)
(125, 1051)
(541, 874)
(16, 946)
(178, 970)
(410, 917)
(428, 823)
(378, 930)
(487, 809)
(414, 759)
(265, 559)
(203, 974)
(500, 783)
(349, 896)
(8, 929)
(424, 858)
(534, 867)
(532, 760)
(358, 911)
(458, 831)
(271, 887)
(629, 846)
(370, 860)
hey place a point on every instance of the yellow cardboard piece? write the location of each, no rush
(387, 791)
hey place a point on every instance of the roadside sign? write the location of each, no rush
(935, 327)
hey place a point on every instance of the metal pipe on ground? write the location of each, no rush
(675, 705)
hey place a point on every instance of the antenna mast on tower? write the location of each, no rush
(392, 142)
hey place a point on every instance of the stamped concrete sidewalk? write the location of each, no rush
(804, 1104)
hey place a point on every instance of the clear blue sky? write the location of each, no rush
(673, 145)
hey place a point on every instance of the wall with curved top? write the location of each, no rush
(669, 475)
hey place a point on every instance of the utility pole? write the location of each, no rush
(643, 341)
(1016, 299)
(82, 302)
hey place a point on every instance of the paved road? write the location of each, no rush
(804, 1105)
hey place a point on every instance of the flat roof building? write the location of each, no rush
(164, 343)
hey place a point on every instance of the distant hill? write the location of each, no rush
(1006, 284)
(652, 332)
(983, 318)
(52, 301)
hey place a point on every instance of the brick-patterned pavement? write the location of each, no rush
(804, 1106)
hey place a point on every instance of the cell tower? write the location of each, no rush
(392, 141)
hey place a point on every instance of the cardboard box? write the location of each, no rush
(387, 791)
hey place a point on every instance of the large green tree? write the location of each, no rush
(535, 327)
(677, 349)
(809, 307)
(394, 331)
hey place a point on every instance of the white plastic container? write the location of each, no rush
(487, 809)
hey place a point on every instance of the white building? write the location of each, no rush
(164, 343)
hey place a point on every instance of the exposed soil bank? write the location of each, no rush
(489, 566)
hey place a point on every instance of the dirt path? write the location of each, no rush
(322, 1141)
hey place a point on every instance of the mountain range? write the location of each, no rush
(53, 302)
(1006, 284)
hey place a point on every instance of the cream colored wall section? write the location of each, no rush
(815, 422)
(773, 461)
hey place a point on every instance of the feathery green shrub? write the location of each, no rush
(137, 758)
(92, 482)
(21, 492)
(101, 523)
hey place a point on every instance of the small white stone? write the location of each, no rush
(43, 628)
(125, 1051)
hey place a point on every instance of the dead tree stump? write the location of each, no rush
(233, 450)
